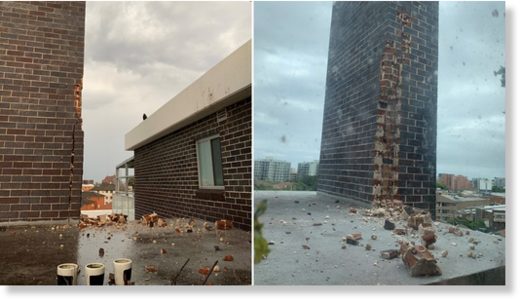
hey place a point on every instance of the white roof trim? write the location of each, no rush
(226, 83)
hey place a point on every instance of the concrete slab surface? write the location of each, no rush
(29, 254)
(306, 230)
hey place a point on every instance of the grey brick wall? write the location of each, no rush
(379, 123)
(41, 68)
(166, 171)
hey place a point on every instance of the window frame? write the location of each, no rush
(197, 143)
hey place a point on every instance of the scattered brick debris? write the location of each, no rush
(400, 232)
(161, 223)
(417, 219)
(389, 254)
(418, 260)
(102, 220)
(150, 219)
(389, 225)
(228, 258)
(150, 268)
(455, 231)
(429, 237)
(224, 224)
(204, 270)
(353, 238)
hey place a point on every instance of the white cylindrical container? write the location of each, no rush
(122, 271)
(95, 273)
(67, 274)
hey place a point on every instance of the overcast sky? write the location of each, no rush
(138, 55)
(291, 46)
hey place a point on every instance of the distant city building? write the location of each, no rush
(308, 169)
(93, 204)
(483, 185)
(449, 205)
(455, 182)
(272, 170)
(493, 216)
(106, 190)
(500, 182)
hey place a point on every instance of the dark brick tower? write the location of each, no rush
(41, 141)
(380, 118)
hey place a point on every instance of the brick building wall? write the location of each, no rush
(166, 171)
(41, 68)
(379, 124)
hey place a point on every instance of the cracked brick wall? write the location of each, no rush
(166, 171)
(380, 117)
(41, 139)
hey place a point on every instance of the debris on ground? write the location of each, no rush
(102, 220)
(224, 224)
(151, 268)
(455, 231)
(204, 270)
(150, 219)
(163, 251)
(389, 254)
(418, 260)
(228, 258)
(429, 237)
(305, 247)
(400, 232)
(389, 225)
(101, 252)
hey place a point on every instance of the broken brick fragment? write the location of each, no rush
(418, 260)
(224, 224)
(429, 237)
(228, 258)
(389, 225)
(389, 254)
(204, 270)
(455, 231)
(400, 232)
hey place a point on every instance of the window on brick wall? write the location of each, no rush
(210, 163)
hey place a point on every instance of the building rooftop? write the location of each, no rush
(307, 233)
(461, 198)
(56, 244)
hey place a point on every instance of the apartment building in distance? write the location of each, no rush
(272, 170)
(308, 169)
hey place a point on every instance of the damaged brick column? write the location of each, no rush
(41, 137)
(379, 126)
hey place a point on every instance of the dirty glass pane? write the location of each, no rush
(217, 162)
(205, 167)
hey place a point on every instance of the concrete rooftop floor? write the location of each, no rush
(29, 254)
(289, 224)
